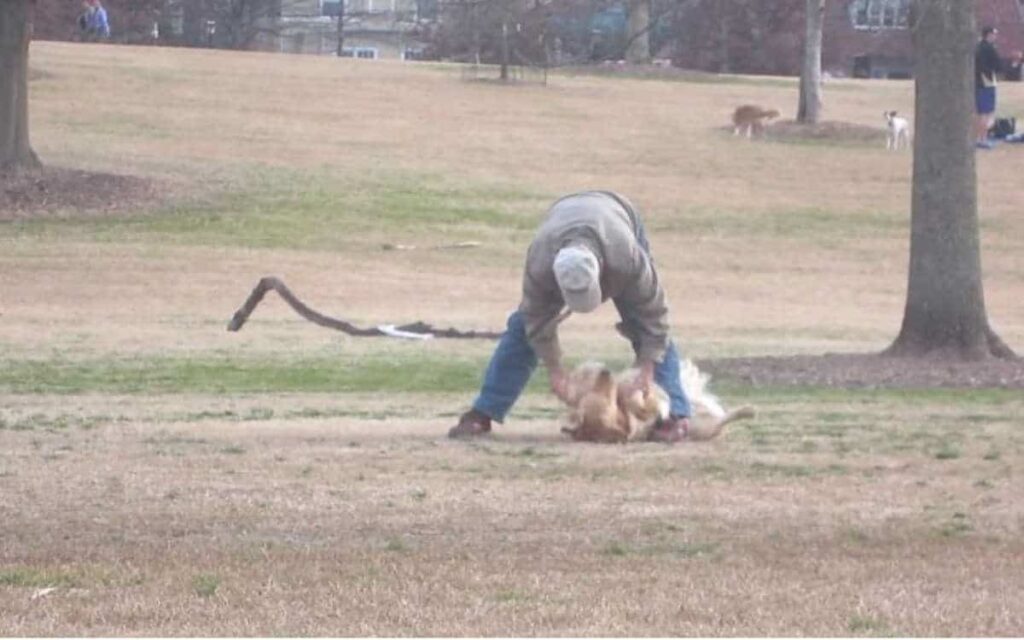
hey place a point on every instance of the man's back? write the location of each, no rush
(986, 64)
(98, 19)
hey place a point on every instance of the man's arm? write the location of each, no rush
(541, 314)
(645, 312)
(540, 310)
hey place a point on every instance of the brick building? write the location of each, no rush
(871, 38)
(862, 38)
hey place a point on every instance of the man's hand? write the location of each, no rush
(644, 378)
(559, 383)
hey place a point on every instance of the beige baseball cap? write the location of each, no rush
(579, 278)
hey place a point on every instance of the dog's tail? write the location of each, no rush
(695, 386)
(709, 431)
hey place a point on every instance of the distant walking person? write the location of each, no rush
(986, 65)
(93, 22)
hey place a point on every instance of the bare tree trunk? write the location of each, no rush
(638, 31)
(809, 109)
(341, 28)
(504, 51)
(756, 20)
(194, 23)
(15, 35)
(724, 56)
(945, 311)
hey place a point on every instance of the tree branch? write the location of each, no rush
(421, 329)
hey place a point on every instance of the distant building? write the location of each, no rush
(871, 38)
(373, 29)
(862, 38)
(384, 29)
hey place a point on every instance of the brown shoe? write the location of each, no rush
(670, 431)
(471, 425)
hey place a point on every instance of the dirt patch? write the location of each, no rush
(827, 131)
(58, 192)
(868, 371)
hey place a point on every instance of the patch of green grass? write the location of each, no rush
(712, 468)
(808, 222)
(396, 545)
(615, 549)
(511, 595)
(53, 423)
(858, 401)
(163, 438)
(205, 585)
(689, 549)
(783, 470)
(660, 548)
(38, 578)
(958, 526)
(259, 414)
(869, 626)
(316, 211)
(405, 372)
(948, 451)
(233, 450)
(808, 446)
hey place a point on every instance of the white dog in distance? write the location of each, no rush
(897, 131)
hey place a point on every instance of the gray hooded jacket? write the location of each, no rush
(608, 225)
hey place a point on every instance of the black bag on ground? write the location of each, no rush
(1003, 127)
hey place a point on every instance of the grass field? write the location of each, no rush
(161, 476)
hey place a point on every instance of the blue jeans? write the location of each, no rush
(513, 363)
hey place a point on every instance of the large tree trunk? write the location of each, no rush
(945, 312)
(809, 109)
(638, 48)
(15, 35)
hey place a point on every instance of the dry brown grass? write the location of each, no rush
(156, 525)
(241, 514)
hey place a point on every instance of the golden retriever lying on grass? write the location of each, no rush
(608, 408)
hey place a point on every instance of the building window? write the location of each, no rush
(880, 14)
(330, 7)
(365, 53)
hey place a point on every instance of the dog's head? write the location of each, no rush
(771, 114)
(889, 115)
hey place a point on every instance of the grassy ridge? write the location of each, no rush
(218, 374)
(312, 211)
